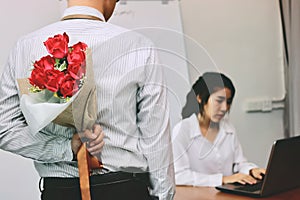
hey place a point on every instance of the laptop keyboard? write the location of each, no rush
(251, 188)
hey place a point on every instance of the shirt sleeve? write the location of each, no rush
(184, 175)
(241, 164)
(15, 135)
(153, 122)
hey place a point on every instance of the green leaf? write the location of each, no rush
(61, 66)
(57, 62)
(34, 89)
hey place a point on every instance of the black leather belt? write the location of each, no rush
(102, 179)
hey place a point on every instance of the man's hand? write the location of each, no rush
(93, 138)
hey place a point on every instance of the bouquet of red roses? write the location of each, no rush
(61, 74)
(61, 89)
(54, 84)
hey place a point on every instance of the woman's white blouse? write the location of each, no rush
(199, 162)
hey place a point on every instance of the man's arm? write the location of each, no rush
(15, 135)
(153, 122)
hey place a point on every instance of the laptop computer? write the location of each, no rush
(282, 173)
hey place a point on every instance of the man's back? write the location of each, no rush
(119, 60)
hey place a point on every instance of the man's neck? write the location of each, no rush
(97, 4)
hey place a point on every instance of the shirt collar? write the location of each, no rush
(194, 126)
(83, 10)
(225, 126)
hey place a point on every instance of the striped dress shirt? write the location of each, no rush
(132, 103)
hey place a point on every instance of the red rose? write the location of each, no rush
(68, 86)
(54, 79)
(80, 46)
(38, 78)
(76, 71)
(76, 64)
(58, 45)
(45, 63)
(76, 58)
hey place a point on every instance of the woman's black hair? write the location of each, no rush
(206, 84)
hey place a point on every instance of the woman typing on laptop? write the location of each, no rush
(205, 146)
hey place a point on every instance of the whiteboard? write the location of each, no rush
(161, 22)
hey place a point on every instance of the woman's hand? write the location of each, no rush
(239, 178)
(94, 139)
(257, 173)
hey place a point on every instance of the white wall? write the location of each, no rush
(243, 39)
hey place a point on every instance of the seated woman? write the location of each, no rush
(205, 146)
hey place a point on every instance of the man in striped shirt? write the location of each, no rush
(132, 112)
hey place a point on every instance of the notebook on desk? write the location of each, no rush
(282, 173)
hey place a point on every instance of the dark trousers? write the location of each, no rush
(111, 186)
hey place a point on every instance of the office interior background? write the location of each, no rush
(255, 42)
